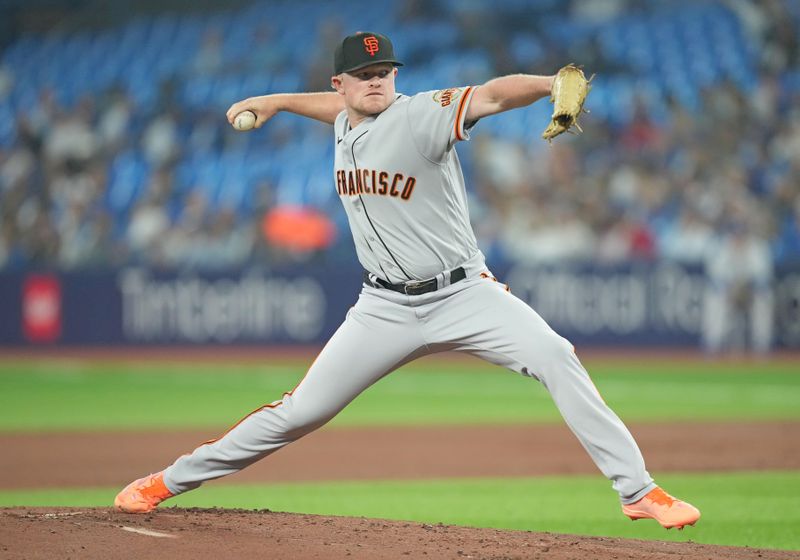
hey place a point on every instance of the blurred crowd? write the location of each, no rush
(57, 209)
(725, 174)
(647, 191)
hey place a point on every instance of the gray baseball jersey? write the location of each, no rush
(401, 184)
(400, 181)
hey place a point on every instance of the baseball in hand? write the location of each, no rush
(245, 120)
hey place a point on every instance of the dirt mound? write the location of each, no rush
(207, 533)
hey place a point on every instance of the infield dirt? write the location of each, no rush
(92, 534)
(397, 453)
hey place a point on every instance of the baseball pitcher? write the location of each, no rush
(426, 287)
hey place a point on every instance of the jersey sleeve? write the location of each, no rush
(437, 120)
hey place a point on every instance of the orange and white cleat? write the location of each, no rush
(143, 495)
(667, 510)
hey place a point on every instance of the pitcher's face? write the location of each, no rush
(369, 90)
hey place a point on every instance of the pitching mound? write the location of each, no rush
(212, 533)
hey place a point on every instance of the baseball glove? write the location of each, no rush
(570, 88)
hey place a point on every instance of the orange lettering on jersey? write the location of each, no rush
(397, 177)
(447, 97)
(371, 45)
(372, 181)
(359, 182)
(384, 181)
(365, 173)
(408, 188)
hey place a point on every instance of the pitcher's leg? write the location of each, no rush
(375, 339)
(597, 427)
(489, 322)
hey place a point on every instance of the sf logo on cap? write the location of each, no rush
(371, 45)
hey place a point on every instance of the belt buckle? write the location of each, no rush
(413, 285)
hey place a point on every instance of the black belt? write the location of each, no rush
(413, 287)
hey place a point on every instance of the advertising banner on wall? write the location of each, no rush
(660, 305)
(138, 306)
(645, 305)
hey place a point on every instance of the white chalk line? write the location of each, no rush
(53, 515)
(148, 532)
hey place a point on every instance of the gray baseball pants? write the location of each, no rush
(385, 330)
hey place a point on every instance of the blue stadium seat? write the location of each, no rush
(127, 180)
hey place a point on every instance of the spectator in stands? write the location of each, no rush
(689, 240)
(70, 138)
(17, 167)
(738, 310)
(546, 234)
(160, 140)
(77, 235)
(148, 225)
(39, 241)
(34, 123)
(627, 239)
(178, 244)
(227, 243)
(114, 125)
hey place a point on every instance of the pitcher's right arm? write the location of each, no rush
(322, 106)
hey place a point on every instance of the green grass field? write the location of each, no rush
(93, 396)
(757, 509)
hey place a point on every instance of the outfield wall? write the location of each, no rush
(658, 305)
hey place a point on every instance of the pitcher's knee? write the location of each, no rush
(551, 353)
(557, 350)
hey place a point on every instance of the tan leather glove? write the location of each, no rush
(570, 88)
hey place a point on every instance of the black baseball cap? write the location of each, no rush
(362, 49)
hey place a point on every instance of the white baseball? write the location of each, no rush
(245, 120)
